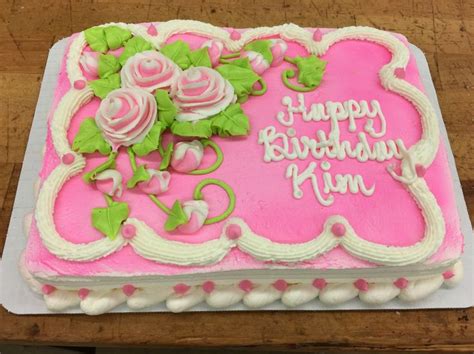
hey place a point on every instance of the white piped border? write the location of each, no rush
(151, 246)
(294, 294)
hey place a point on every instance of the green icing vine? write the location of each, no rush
(230, 194)
(109, 163)
(216, 164)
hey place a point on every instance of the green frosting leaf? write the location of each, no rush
(89, 138)
(108, 65)
(132, 47)
(262, 47)
(231, 122)
(150, 142)
(242, 62)
(102, 87)
(200, 128)
(166, 109)
(310, 70)
(139, 175)
(200, 57)
(178, 52)
(166, 159)
(95, 37)
(108, 220)
(241, 78)
(176, 217)
(116, 36)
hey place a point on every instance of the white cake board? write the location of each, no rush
(16, 296)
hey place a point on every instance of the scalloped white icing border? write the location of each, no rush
(154, 247)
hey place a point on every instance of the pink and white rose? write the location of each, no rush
(197, 212)
(278, 48)
(257, 61)
(89, 62)
(149, 70)
(158, 182)
(126, 116)
(214, 48)
(201, 92)
(109, 182)
(187, 156)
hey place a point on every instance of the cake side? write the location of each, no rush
(305, 235)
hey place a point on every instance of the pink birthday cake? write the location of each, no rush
(188, 164)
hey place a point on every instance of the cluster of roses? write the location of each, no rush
(127, 114)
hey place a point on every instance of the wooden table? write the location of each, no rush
(444, 30)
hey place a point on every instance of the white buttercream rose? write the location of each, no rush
(201, 92)
(149, 70)
(126, 116)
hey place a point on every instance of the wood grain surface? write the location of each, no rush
(443, 29)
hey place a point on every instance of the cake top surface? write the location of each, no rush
(336, 167)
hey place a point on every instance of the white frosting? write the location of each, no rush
(227, 294)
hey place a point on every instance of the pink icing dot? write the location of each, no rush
(68, 158)
(338, 229)
(208, 286)
(79, 84)
(448, 274)
(318, 35)
(320, 283)
(152, 30)
(129, 231)
(83, 293)
(128, 289)
(47, 289)
(401, 283)
(233, 232)
(400, 73)
(246, 285)
(361, 284)
(181, 288)
(280, 285)
(420, 170)
(235, 35)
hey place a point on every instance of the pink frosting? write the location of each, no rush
(152, 30)
(79, 84)
(68, 158)
(47, 289)
(280, 285)
(83, 293)
(320, 283)
(235, 35)
(276, 216)
(317, 35)
(187, 156)
(401, 283)
(128, 289)
(278, 48)
(448, 274)
(361, 284)
(181, 288)
(338, 229)
(201, 92)
(214, 48)
(233, 231)
(208, 286)
(246, 285)
(126, 116)
(158, 182)
(149, 70)
(129, 231)
(89, 62)
(257, 61)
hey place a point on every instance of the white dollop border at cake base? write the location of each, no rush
(104, 299)
(154, 247)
